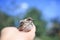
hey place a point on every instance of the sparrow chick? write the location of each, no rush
(26, 25)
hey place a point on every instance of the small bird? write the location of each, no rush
(26, 25)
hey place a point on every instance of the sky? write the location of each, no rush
(50, 8)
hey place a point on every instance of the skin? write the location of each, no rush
(12, 33)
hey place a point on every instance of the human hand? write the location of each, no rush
(12, 33)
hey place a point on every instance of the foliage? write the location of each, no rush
(5, 20)
(39, 23)
(36, 15)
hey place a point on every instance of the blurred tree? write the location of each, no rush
(55, 31)
(5, 20)
(36, 15)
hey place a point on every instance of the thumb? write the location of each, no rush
(31, 34)
(33, 30)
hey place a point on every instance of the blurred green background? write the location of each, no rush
(6, 21)
(44, 31)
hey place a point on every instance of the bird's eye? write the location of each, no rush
(28, 19)
(22, 23)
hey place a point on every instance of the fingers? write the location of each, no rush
(8, 29)
(33, 30)
(7, 32)
(31, 34)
